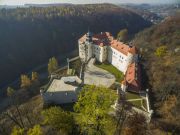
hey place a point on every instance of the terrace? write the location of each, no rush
(113, 70)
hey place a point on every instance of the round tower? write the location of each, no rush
(89, 45)
(89, 37)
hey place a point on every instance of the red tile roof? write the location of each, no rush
(133, 77)
(121, 47)
(106, 39)
(133, 50)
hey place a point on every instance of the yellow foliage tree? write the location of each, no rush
(34, 76)
(161, 51)
(25, 81)
(59, 119)
(17, 131)
(52, 65)
(36, 130)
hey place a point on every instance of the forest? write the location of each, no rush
(30, 36)
(160, 53)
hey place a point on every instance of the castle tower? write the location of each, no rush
(88, 44)
(85, 47)
(131, 55)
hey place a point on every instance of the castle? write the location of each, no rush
(104, 47)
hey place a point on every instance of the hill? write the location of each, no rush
(160, 50)
(30, 36)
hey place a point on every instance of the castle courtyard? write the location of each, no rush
(97, 76)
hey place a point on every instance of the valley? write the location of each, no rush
(122, 76)
(53, 31)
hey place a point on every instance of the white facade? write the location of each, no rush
(61, 91)
(118, 59)
(104, 53)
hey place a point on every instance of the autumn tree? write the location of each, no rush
(167, 106)
(59, 119)
(123, 35)
(161, 51)
(52, 65)
(9, 114)
(136, 125)
(93, 106)
(25, 81)
(10, 92)
(17, 131)
(12, 115)
(36, 130)
(122, 110)
(34, 76)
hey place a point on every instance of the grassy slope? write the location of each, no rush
(119, 75)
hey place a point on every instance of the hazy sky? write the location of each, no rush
(21, 2)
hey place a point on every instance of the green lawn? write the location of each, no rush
(144, 104)
(119, 75)
(136, 103)
(130, 95)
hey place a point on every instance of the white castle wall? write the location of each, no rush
(117, 59)
(90, 50)
(130, 59)
(60, 97)
(103, 53)
(96, 52)
(100, 53)
(82, 51)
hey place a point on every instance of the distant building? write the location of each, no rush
(104, 47)
(61, 90)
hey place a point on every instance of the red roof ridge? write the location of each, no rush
(105, 38)
(132, 76)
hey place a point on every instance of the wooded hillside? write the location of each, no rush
(30, 36)
(160, 50)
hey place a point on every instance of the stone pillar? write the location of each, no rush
(147, 100)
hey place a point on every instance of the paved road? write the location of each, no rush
(97, 76)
